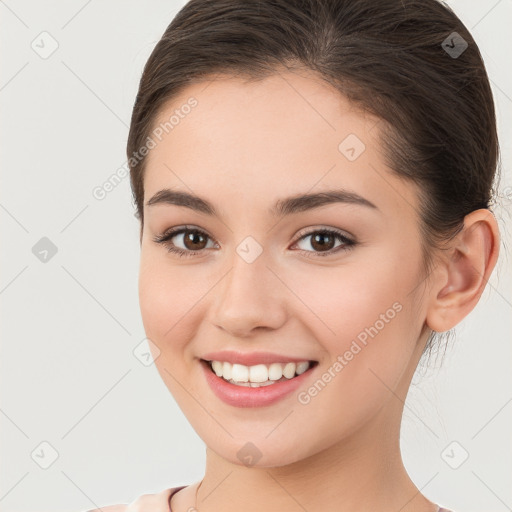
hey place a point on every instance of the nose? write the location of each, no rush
(250, 297)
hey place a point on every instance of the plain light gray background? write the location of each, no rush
(69, 377)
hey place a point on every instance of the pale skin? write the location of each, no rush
(242, 148)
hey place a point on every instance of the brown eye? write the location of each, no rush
(194, 240)
(184, 241)
(323, 242)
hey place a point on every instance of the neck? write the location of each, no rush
(361, 472)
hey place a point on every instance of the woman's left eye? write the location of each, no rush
(194, 241)
(323, 239)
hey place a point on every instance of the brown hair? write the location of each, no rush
(412, 63)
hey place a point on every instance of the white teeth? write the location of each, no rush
(302, 367)
(217, 368)
(239, 372)
(259, 374)
(289, 370)
(275, 371)
(226, 371)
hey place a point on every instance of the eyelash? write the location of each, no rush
(165, 237)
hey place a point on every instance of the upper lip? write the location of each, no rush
(251, 358)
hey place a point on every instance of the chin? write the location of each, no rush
(261, 453)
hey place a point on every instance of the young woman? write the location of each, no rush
(314, 181)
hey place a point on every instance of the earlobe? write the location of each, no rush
(466, 270)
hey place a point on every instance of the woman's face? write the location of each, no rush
(263, 279)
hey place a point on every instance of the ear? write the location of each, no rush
(464, 271)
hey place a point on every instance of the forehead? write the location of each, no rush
(278, 112)
(285, 134)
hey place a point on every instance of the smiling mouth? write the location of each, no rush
(258, 375)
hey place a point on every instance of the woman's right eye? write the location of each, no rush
(192, 238)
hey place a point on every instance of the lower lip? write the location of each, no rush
(242, 396)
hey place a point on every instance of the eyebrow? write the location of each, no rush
(287, 206)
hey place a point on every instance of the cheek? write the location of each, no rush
(171, 313)
(367, 323)
(346, 301)
(167, 298)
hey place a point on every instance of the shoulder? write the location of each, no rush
(110, 508)
(158, 502)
